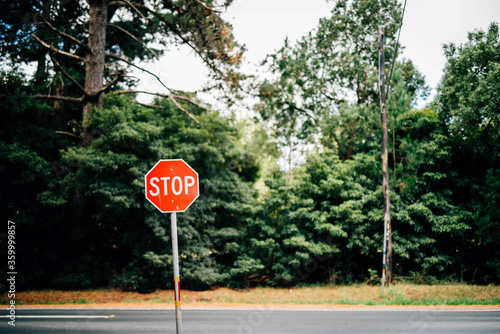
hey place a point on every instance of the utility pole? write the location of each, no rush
(387, 253)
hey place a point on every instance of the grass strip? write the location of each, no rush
(361, 294)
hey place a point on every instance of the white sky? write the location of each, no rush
(262, 25)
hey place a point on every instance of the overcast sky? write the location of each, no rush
(262, 25)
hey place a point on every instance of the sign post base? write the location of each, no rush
(177, 280)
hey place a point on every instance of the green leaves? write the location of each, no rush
(468, 106)
(325, 87)
(319, 220)
(469, 92)
(132, 139)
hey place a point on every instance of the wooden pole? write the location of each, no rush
(387, 252)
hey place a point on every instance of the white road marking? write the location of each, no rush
(64, 316)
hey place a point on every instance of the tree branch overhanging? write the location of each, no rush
(208, 8)
(110, 84)
(118, 3)
(133, 91)
(56, 50)
(187, 99)
(171, 97)
(59, 68)
(112, 55)
(181, 108)
(148, 105)
(134, 38)
(293, 106)
(68, 134)
(137, 10)
(71, 38)
(176, 95)
(210, 64)
(59, 98)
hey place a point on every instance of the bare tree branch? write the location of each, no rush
(56, 50)
(185, 98)
(73, 121)
(181, 108)
(202, 56)
(59, 98)
(176, 96)
(171, 97)
(129, 4)
(292, 106)
(59, 68)
(73, 39)
(134, 38)
(68, 134)
(179, 35)
(208, 8)
(206, 59)
(131, 91)
(149, 105)
(117, 3)
(112, 55)
(110, 84)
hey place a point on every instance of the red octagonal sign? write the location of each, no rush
(172, 185)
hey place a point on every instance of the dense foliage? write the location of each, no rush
(82, 219)
(121, 234)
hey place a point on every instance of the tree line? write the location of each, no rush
(75, 146)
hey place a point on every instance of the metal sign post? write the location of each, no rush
(177, 280)
(172, 186)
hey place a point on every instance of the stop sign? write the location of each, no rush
(172, 185)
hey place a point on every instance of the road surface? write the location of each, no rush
(249, 321)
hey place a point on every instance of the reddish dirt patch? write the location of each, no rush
(254, 298)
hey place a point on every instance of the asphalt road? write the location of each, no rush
(262, 321)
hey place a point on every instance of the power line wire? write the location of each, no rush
(395, 51)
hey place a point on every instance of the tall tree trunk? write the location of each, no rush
(94, 76)
(94, 61)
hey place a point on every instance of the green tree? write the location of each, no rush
(322, 80)
(81, 51)
(122, 232)
(468, 95)
(431, 230)
(95, 41)
(468, 106)
(326, 92)
(487, 221)
(320, 222)
(28, 147)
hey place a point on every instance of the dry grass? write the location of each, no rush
(399, 294)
